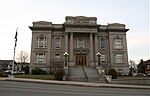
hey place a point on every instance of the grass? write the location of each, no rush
(41, 77)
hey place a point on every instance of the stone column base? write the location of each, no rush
(66, 73)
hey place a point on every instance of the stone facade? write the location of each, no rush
(82, 38)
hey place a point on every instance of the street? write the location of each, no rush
(12, 88)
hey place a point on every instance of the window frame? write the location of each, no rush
(40, 58)
(102, 42)
(118, 43)
(103, 58)
(41, 43)
(57, 44)
(119, 58)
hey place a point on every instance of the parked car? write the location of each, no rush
(3, 74)
(10, 72)
(140, 75)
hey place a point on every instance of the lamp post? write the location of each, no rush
(98, 55)
(66, 55)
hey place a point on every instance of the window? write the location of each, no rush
(119, 58)
(41, 42)
(57, 57)
(57, 43)
(102, 42)
(148, 66)
(118, 43)
(103, 58)
(40, 58)
(69, 20)
(120, 70)
(80, 43)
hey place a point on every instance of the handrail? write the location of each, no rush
(86, 77)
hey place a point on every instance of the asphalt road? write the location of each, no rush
(11, 88)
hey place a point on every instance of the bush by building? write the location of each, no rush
(38, 71)
(59, 74)
(113, 73)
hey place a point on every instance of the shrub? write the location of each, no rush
(59, 74)
(26, 69)
(38, 71)
(113, 73)
(51, 72)
(119, 74)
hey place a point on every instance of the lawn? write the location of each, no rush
(41, 77)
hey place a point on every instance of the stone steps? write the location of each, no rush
(84, 74)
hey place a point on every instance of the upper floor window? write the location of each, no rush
(148, 66)
(41, 42)
(40, 58)
(57, 43)
(102, 42)
(119, 58)
(118, 43)
(80, 43)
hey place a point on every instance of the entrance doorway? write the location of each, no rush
(80, 59)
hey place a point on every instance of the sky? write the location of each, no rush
(21, 13)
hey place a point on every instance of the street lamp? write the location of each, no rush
(98, 55)
(66, 55)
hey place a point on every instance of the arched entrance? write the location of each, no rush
(80, 59)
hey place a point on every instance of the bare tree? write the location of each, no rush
(23, 57)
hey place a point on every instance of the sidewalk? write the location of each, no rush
(86, 84)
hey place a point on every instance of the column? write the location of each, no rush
(71, 50)
(91, 50)
(66, 42)
(96, 49)
(49, 43)
(66, 49)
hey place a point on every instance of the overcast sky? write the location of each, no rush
(21, 14)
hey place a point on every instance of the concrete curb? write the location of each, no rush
(86, 84)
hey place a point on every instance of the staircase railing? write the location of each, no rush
(85, 75)
(97, 71)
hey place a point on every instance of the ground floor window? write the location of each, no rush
(40, 58)
(118, 58)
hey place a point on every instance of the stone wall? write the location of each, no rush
(132, 81)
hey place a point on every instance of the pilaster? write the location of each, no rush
(96, 49)
(91, 50)
(71, 50)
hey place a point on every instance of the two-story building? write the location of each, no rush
(82, 38)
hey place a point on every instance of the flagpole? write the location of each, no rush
(13, 61)
(14, 53)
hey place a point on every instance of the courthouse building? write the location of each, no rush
(81, 38)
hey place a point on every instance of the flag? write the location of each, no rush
(16, 37)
